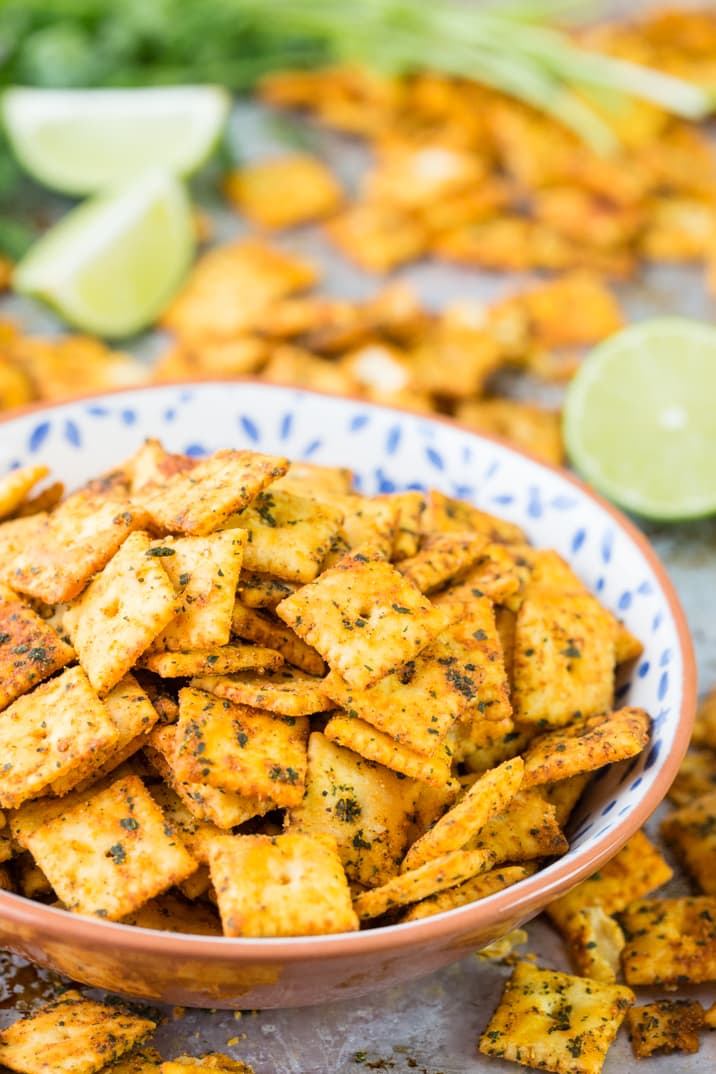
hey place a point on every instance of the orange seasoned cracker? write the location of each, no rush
(670, 942)
(30, 649)
(374, 745)
(75, 541)
(531, 428)
(479, 887)
(50, 734)
(377, 237)
(205, 573)
(527, 829)
(236, 748)
(444, 514)
(265, 630)
(691, 832)
(231, 288)
(107, 851)
(665, 1026)
(585, 745)
(440, 558)
(72, 1035)
(595, 944)
(564, 659)
(200, 500)
(223, 660)
(288, 535)
(172, 913)
(366, 807)
(284, 191)
(636, 870)
(555, 1021)
(489, 796)
(290, 885)
(121, 612)
(286, 691)
(363, 617)
(433, 876)
(15, 486)
(225, 809)
(257, 590)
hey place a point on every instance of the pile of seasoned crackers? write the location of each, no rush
(466, 173)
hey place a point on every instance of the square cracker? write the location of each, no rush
(695, 778)
(374, 745)
(50, 734)
(30, 649)
(691, 832)
(194, 833)
(72, 1035)
(363, 617)
(224, 660)
(134, 716)
(418, 703)
(555, 1021)
(288, 535)
(172, 913)
(200, 500)
(441, 557)
(121, 613)
(108, 851)
(636, 870)
(15, 486)
(564, 659)
(670, 942)
(667, 1025)
(286, 885)
(284, 191)
(585, 745)
(365, 519)
(264, 629)
(257, 590)
(446, 515)
(240, 749)
(286, 691)
(527, 829)
(15, 535)
(71, 544)
(205, 573)
(499, 572)
(489, 795)
(364, 806)
(225, 809)
(479, 887)
(444, 872)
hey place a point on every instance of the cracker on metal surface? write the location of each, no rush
(72, 1035)
(555, 1021)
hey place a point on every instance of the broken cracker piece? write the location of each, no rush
(665, 1026)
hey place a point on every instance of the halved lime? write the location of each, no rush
(111, 264)
(83, 141)
(640, 419)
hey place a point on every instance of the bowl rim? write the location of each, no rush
(504, 909)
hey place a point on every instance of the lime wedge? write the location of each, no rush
(640, 419)
(111, 264)
(83, 141)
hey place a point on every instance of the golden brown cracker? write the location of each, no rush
(585, 745)
(670, 942)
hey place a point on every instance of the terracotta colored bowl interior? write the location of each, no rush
(249, 973)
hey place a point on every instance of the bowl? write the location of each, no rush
(389, 449)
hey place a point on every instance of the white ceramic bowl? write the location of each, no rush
(389, 450)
